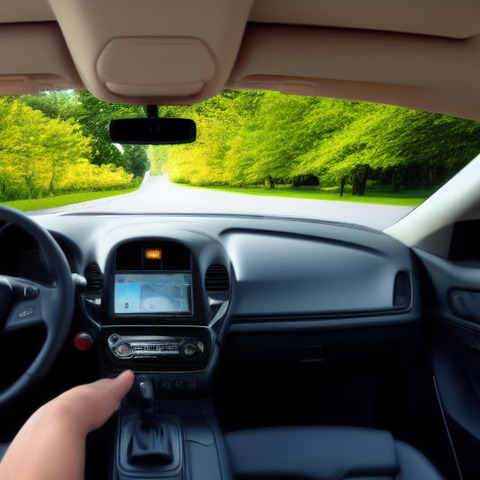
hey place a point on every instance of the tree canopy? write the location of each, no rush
(42, 155)
(93, 118)
(249, 138)
(59, 142)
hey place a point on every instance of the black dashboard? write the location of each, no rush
(227, 321)
(268, 267)
(162, 293)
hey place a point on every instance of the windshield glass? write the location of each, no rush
(257, 153)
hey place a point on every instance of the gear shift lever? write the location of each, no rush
(152, 437)
(142, 392)
(146, 401)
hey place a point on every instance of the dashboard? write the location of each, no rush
(164, 293)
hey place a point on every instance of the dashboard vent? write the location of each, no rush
(94, 277)
(402, 291)
(216, 278)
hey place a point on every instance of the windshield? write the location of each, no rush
(257, 153)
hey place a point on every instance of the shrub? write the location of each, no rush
(305, 180)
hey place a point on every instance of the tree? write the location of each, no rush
(135, 160)
(38, 147)
(61, 105)
(41, 155)
(248, 138)
(279, 142)
(158, 157)
(93, 117)
(204, 162)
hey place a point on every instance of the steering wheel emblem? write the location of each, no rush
(26, 313)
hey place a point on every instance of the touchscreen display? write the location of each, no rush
(160, 293)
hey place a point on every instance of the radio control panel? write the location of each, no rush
(155, 347)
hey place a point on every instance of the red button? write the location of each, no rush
(83, 341)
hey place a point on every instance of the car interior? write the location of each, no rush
(263, 347)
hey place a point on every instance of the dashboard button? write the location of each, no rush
(124, 350)
(189, 350)
(82, 341)
(166, 385)
(179, 384)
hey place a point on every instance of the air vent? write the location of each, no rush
(94, 277)
(402, 290)
(216, 278)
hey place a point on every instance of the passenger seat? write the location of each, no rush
(325, 453)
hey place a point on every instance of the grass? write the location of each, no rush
(374, 195)
(61, 200)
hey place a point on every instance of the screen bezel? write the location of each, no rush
(152, 273)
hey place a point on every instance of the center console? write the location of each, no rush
(164, 306)
(172, 439)
(163, 312)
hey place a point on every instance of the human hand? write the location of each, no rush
(51, 444)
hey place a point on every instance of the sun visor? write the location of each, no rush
(35, 58)
(154, 52)
(146, 66)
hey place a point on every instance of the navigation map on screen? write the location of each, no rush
(152, 293)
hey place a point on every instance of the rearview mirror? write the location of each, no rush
(153, 131)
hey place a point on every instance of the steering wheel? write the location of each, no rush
(25, 303)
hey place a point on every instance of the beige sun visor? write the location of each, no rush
(427, 73)
(34, 57)
(153, 52)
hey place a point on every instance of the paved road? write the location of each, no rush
(158, 195)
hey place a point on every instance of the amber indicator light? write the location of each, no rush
(153, 253)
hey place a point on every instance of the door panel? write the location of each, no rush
(451, 293)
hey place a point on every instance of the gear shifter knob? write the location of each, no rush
(153, 438)
(142, 393)
(143, 397)
(145, 388)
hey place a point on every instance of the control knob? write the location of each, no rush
(190, 350)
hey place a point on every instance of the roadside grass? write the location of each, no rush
(376, 195)
(62, 200)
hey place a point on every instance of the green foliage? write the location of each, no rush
(136, 160)
(42, 156)
(267, 138)
(93, 117)
(158, 157)
(59, 142)
(308, 180)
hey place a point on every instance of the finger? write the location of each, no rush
(120, 386)
(93, 404)
(111, 393)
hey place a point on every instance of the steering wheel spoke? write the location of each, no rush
(25, 303)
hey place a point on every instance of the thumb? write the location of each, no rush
(119, 387)
(96, 402)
